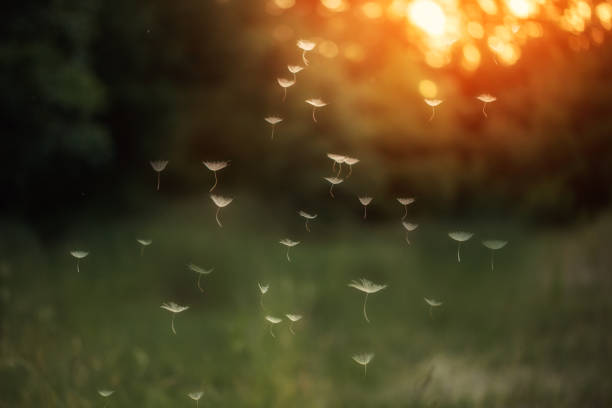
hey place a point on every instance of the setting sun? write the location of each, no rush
(428, 16)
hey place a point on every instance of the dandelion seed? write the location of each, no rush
(105, 394)
(174, 309)
(273, 120)
(315, 103)
(294, 69)
(433, 103)
(409, 228)
(143, 243)
(494, 245)
(215, 166)
(159, 166)
(220, 202)
(199, 271)
(307, 217)
(292, 319)
(432, 303)
(273, 320)
(460, 236)
(350, 161)
(285, 83)
(263, 289)
(364, 359)
(336, 159)
(486, 98)
(333, 181)
(365, 201)
(367, 287)
(305, 46)
(79, 255)
(289, 244)
(405, 201)
(196, 395)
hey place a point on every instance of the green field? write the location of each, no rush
(535, 332)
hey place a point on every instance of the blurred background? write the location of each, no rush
(92, 91)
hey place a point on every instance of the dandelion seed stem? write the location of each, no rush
(173, 316)
(350, 171)
(294, 77)
(430, 312)
(365, 314)
(214, 185)
(291, 328)
(313, 114)
(405, 212)
(331, 193)
(288, 257)
(365, 212)
(307, 227)
(339, 169)
(459, 252)
(217, 217)
(78, 270)
(284, 94)
(407, 240)
(304, 57)
(484, 109)
(334, 165)
(271, 332)
(365, 370)
(158, 179)
(433, 113)
(199, 277)
(492, 260)
(272, 137)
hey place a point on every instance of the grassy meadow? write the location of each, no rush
(534, 332)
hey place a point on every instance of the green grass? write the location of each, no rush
(534, 333)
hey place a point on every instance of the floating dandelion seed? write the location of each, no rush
(79, 255)
(292, 319)
(315, 103)
(433, 103)
(336, 159)
(307, 217)
(294, 69)
(305, 46)
(159, 166)
(405, 201)
(365, 201)
(486, 98)
(409, 227)
(460, 236)
(263, 289)
(105, 394)
(196, 395)
(174, 309)
(367, 287)
(200, 271)
(350, 161)
(215, 166)
(363, 359)
(273, 320)
(333, 181)
(289, 244)
(273, 120)
(285, 83)
(494, 245)
(220, 202)
(432, 303)
(143, 243)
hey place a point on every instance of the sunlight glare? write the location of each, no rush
(428, 16)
